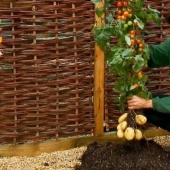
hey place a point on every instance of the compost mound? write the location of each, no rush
(141, 155)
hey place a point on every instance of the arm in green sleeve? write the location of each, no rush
(160, 54)
(161, 104)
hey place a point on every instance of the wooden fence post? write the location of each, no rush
(99, 81)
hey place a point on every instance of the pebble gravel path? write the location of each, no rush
(60, 160)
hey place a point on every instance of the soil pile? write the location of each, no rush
(143, 155)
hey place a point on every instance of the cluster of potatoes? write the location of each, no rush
(130, 133)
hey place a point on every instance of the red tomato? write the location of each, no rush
(132, 32)
(138, 41)
(141, 45)
(123, 18)
(132, 36)
(129, 10)
(126, 14)
(125, 4)
(136, 86)
(119, 12)
(119, 4)
(119, 17)
(132, 41)
(135, 23)
(137, 32)
(140, 74)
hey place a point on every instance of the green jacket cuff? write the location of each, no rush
(161, 104)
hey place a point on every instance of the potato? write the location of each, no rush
(122, 117)
(123, 125)
(119, 126)
(138, 134)
(120, 133)
(140, 119)
(129, 133)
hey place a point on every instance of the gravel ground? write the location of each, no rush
(61, 160)
(164, 141)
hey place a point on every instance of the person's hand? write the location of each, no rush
(136, 102)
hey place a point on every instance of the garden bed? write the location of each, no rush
(141, 155)
(91, 153)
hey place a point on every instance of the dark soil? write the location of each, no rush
(143, 155)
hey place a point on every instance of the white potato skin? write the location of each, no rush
(119, 126)
(129, 133)
(123, 125)
(122, 117)
(140, 119)
(138, 134)
(120, 133)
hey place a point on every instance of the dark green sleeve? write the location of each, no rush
(160, 54)
(161, 104)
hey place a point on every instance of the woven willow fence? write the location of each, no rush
(47, 70)
(46, 75)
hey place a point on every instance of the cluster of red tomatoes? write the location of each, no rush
(130, 25)
(136, 41)
(124, 13)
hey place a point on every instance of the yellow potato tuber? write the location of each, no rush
(122, 117)
(120, 133)
(138, 134)
(129, 133)
(140, 119)
(119, 126)
(123, 125)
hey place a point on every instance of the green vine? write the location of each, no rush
(127, 57)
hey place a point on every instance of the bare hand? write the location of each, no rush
(136, 102)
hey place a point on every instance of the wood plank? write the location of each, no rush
(34, 149)
(98, 82)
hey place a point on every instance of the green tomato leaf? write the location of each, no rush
(139, 63)
(132, 87)
(117, 59)
(139, 3)
(140, 22)
(126, 52)
(154, 15)
(110, 18)
(143, 93)
(127, 39)
(122, 101)
(102, 36)
(153, 10)
(99, 11)
(109, 55)
(96, 1)
(108, 4)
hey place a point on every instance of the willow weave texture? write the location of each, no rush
(46, 71)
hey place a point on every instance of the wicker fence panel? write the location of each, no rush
(46, 71)
(158, 78)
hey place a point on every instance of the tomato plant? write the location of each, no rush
(126, 23)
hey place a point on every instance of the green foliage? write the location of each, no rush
(130, 55)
